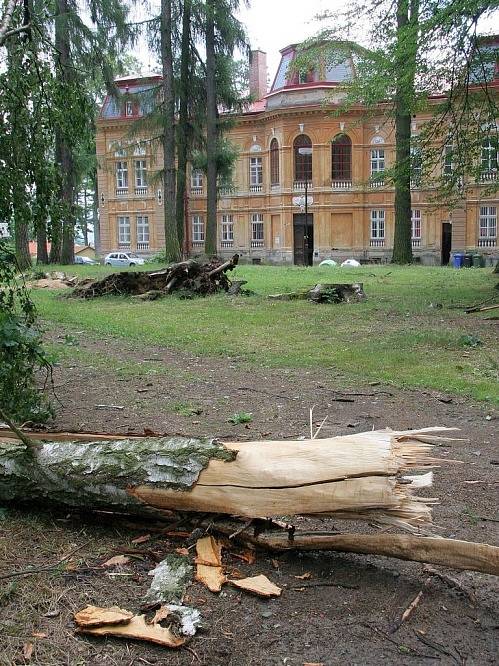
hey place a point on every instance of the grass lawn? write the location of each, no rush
(396, 336)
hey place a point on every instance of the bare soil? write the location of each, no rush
(315, 620)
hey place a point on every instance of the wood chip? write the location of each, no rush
(28, 651)
(137, 628)
(142, 539)
(182, 551)
(161, 614)
(259, 585)
(115, 561)
(209, 563)
(209, 552)
(304, 576)
(39, 634)
(93, 616)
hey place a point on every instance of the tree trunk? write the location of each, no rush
(172, 244)
(211, 132)
(85, 225)
(21, 224)
(407, 18)
(62, 249)
(95, 213)
(357, 477)
(183, 132)
(42, 256)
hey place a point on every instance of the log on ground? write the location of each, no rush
(368, 476)
(326, 293)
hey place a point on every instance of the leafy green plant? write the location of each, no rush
(470, 341)
(241, 417)
(21, 351)
(186, 409)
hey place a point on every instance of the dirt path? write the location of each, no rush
(326, 624)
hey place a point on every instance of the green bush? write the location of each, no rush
(21, 352)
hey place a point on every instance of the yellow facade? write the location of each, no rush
(340, 213)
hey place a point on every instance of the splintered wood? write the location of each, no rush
(259, 585)
(209, 563)
(117, 622)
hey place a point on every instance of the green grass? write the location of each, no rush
(395, 336)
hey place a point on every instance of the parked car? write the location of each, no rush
(85, 260)
(123, 259)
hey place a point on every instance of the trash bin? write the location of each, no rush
(457, 260)
(478, 261)
(468, 260)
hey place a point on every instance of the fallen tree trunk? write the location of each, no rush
(368, 476)
(191, 277)
(359, 477)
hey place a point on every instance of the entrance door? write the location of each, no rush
(446, 242)
(303, 242)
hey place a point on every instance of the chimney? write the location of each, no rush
(258, 74)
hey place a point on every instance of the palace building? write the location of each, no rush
(306, 185)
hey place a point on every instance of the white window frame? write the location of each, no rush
(377, 161)
(416, 223)
(416, 165)
(122, 175)
(140, 173)
(378, 218)
(448, 156)
(197, 179)
(227, 226)
(142, 226)
(256, 171)
(197, 229)
(257, 227)
(124, 232)
(139, 150)
(490, 156)
(128, 108)
(487, 222)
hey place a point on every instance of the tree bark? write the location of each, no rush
(42, 256)
(211, 131)
(21, 224)
(95, 213)
(407, 19)
(183, 130)
(172, 244)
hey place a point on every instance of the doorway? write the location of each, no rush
(303, 239)
(446, 242)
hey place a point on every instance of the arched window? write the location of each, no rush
(274, 162)
(341, 158)
(303, 162)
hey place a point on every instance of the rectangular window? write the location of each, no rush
(416, 166)
(416, 223)
(488, 222)
(121, 175)
(197, 228)
(256, 171)
(378, 224)
(448, 165)
(128, 109)
(124, 230)
(140, 173)
(490, 155)
(142, 229)
(197, 179)
(257, 227)
(377, 161)
(139, 149)
(227, 228)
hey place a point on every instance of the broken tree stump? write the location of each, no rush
(326, 293)
(189, 277)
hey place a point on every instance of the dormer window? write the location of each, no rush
(128, 109)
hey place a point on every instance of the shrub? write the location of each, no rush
(21, 352)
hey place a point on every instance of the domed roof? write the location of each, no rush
(325, 75)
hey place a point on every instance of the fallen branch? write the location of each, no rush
(483, 308)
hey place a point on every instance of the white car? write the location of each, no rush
(123, 259)
(85, 260)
